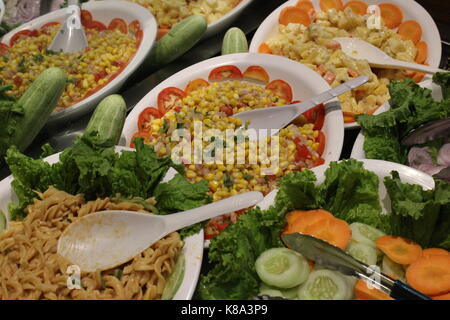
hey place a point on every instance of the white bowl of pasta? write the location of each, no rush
(314, 47)
(153, 262)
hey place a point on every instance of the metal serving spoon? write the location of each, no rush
(70, 37)
(362, 50)
(276, 118)
(106, 239)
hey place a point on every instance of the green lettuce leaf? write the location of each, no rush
(443, 79)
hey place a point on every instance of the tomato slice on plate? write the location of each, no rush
(170, 98)
(118, 24)
(257, 73)
(321, 140)
(85, 17)
(225, 72)
(134, 26)
(281, 89)
(146, 116)
(139, 35)
(100, 75)
(45, 28)
(227, 110)
(22, 34)
(316, 115)
(94, 24)
(3, 48)
(195, 85)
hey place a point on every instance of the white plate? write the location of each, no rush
(304, 82)
(411, 10)
(381, 169)
(358, 146)
(193, 245)
(103, 12)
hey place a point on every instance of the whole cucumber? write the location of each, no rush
(182, 37)
(234, 41)
(38, 102)
(107, 121)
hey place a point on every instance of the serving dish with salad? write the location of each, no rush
(384, 214)
(211, 92)
(119, 34)
(303, 30)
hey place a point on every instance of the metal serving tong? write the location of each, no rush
(336, 259)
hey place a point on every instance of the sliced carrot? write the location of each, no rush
(264, 48)
(445, 296)
(358, 7)
(294, 15)
(326, 5)
(430, 275)
(334, 231)
(307, 6)
(363, 292)
(435, 252)
(418, 76)
(422, 52)
(410, 30)
(302, 219)
(391, 14)
(398, 249)
(349, 117)
(161, 32)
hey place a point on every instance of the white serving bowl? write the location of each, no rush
(411, 10)
(192, 249)
(381, 169)
(358, 146)
(104, 12)
(305, 83)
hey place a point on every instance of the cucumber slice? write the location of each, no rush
(174, 280)
(363, 233)
(270, 292)
(290, 294)
(325, 285)
(282, 268)
(391, 268)
(2, 221)
(363, 252)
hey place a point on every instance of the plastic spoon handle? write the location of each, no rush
(2, 10)
(396, 64)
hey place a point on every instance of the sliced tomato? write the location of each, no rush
(94, 24)
(302, 153)
(316, 115)
(3, 48)
(146, 116)
(118, 24)
(100, 75)
(85, 17)
(17, 81)
(140, 134)
(139, 36)
(225, 72)
(45, 28)
(227, 110)
(134, 26)
(196, 84)
(256, 73)
(169, 98)
(321, 140)
(319, 162)
(20, 35)
(281, 89)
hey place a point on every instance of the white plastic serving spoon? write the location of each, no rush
(106, 239)
(362, 50)
(2, 10)
(276, 118)
(70, 38)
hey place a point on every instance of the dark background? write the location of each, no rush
(145, 79)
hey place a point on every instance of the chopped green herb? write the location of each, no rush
(180, 125)
(118, 273)
(247, 176)
(21, 64)
(227, 182)
(38, 58)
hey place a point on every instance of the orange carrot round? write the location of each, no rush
(435, 252)
(391, 14)
(398, 249)
(445, 296)
(430, 275)
(306, 6)
(422, 52)
(294, 15)
(358, 7)
(349, 117)
(363, 292)
(264, 48)
(418, 76)
(298, 220)
(334, 231)
(410, 30)
(326, 5)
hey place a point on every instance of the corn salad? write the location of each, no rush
(314, 47)
(170, 12)
(107, 54)
(206, 105)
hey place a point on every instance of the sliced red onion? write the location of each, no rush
(443, 157)
(430, 168)
(418, 156)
